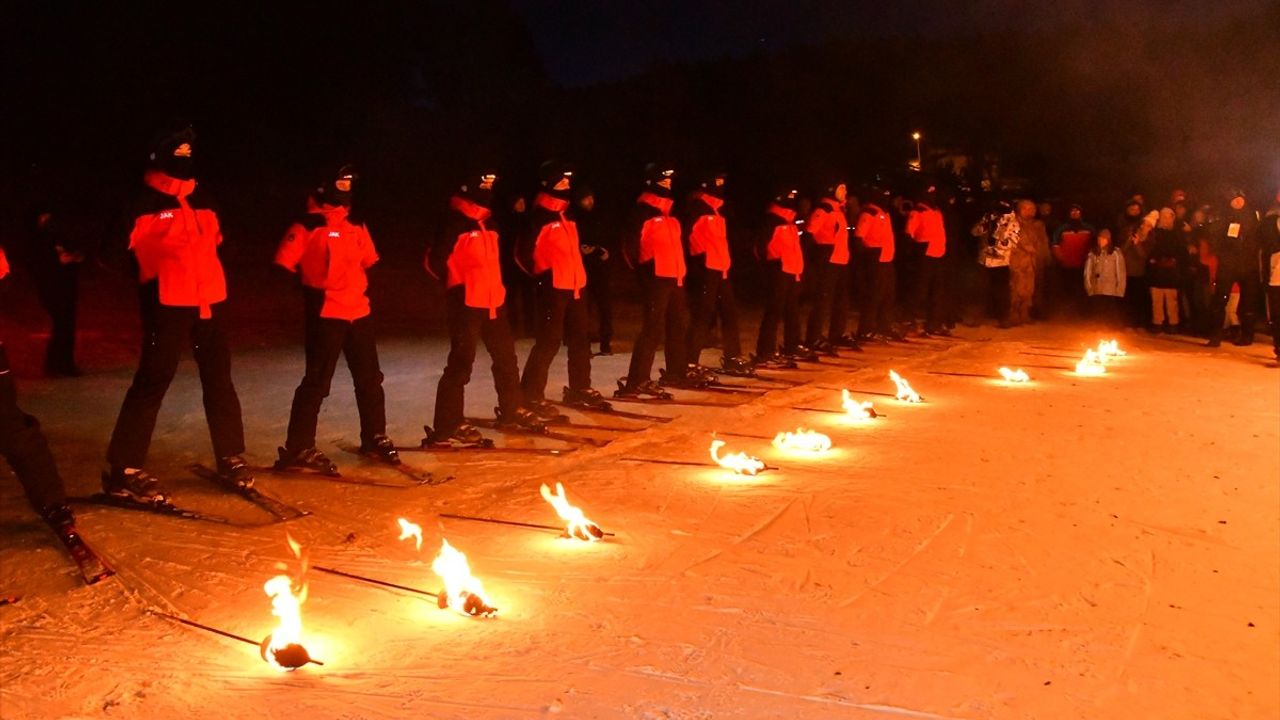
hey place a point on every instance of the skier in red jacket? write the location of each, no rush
(331, 251)
(828, 227)
(552, 255)
(175, 241)
(653, 246)
(467, 260)
(711, 257)
(784, 261)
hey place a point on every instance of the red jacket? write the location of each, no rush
(175, 238)
(829, 226)
(660, 240)
(709, 236)
(784, 242)
(925, 226)
(557, 248)
(333, 254)
(472, 257)
(875, 231)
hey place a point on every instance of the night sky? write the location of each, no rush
(583, 42)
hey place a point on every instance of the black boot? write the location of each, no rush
(236, 471)
(305, 459)
(545, 410)
(648, 388)
(586, 398)
(520, 418)
(132, 483)
(380, 447)
(462, 436)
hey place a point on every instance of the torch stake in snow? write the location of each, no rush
(514, 523)
(292, 656)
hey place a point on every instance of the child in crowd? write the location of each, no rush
(1104, 279)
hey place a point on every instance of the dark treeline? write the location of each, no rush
(418, 92)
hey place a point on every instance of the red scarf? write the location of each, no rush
(472, 210)
(784, 213)
(551, 203)
(661, 204)
(160, 182)
(714, 202)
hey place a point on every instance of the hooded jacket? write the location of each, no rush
(555, 247)
(468, 256)
(332, 253)
(875, 230)
(708, 233)
(1104, 272)
(654, 238)
(925, 225)
(782, 240)
(175, 239)
(829, 228)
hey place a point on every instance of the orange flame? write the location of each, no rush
(1109, 349)
(802, 441)
(286, 604)
(578, 526)
(410, 530)
(905, 393)
(1014, 376)
(1091, 364)
(861, 410)
(738, 462)
(462, 591)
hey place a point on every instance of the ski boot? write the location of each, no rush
(63, 523)
(648, 388)
(822, 346)
(380, 447)
(700, 372)
(776, 361)
(588, 398)
(688, 382)
(847, 342)
(132, 484)
(545, 410)
(800, 353)
(235, 471)
(521, 418)
(306, 459)
(463, 436)
(737, 367)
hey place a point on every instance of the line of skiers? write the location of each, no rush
(176, 235)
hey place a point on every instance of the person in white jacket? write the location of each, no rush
(1104, 279)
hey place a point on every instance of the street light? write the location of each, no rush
(919, 159)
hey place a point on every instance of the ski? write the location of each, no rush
(418, 477)
(91, 567)
(617, 413)
(160, 508)
(568, 423)
(486, 446)
(304, 474)
(549, 434)
(278, 509)
(730, 389)
(674, 401)
(683, 463)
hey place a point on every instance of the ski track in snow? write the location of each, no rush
(991, 553)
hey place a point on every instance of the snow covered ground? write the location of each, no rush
(1075, 548)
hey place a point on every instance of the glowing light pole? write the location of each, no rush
(919, 158)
